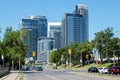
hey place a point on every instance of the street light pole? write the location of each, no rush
(118, 33)
(69, 52)
(0, 41)
(2, 59)
(81, 60)
(114, 58)
(21, 39)
(2, 56)
(70, 61)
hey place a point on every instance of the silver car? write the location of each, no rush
(103, 70)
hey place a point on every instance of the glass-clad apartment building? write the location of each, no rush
(75, 26)
(37, 27)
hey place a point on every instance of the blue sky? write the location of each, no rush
(102, 13)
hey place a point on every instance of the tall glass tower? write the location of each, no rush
(45, 45)
(75, 25)
(54, 31)
(37, 27)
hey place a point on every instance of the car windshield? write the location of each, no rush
(100, 68)
(105, 68)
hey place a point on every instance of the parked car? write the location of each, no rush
(114, 70)
(32, 67)
(92, 69)
(103, 70)
(39, 68)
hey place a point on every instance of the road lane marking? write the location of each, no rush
(49, 76)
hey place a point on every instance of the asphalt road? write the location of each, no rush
(50, 74)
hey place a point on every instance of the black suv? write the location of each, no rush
(92, 69)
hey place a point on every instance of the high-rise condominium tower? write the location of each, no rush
(75, 25)
(54, 31)
(37, 27)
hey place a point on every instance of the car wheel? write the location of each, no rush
(115, 73)
(90, 71)
(112, 73)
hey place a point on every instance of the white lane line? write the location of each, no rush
(49, 76)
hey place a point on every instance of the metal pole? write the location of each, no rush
(81, 60)
(70, 61)
(0, 41)
(114, 57)
(21, 39)
(1, 49)
(3, 60)
(3, 63)
(69, 52)
(19, 64)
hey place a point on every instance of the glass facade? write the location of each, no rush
(54, 30)
(45, 45)
(75, 26)
(37, 27)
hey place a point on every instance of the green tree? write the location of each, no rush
(102, 42)
(51, 56)
(13, 47)
(114, 47)
(84, 49)
(75, 57)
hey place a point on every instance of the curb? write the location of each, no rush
(4, 77)
(19, 77)
(9, 75)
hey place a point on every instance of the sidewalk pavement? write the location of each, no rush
(12, 76)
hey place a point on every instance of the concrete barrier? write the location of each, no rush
(4, 72)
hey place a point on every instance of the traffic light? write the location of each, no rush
(87, 56)
(33, 53)
(62, 56)
(69, 51)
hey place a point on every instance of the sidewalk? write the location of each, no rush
(12, 76)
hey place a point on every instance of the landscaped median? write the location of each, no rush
(105, 76)
(20, 76)
(85, 67)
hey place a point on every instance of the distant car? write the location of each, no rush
(39, 68)
(33, 67)
(107, 61)
(54, 66)
(103, 70)
(26, 68)
(92, 69)
(114, 70)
